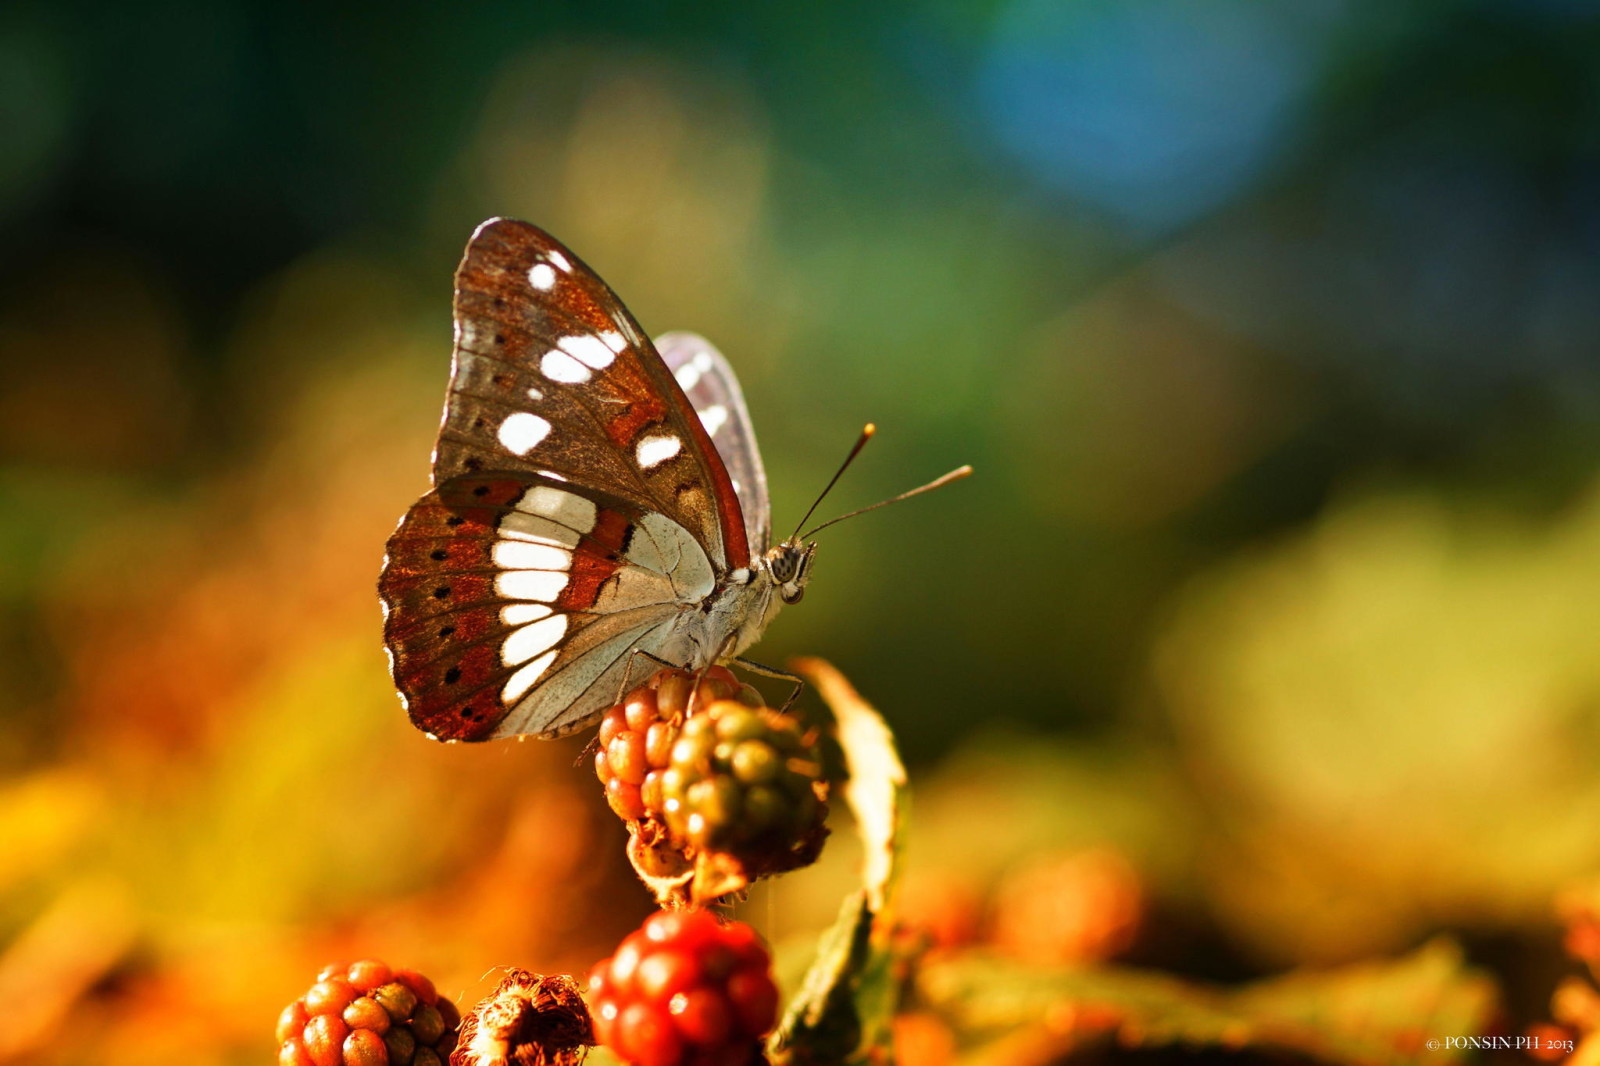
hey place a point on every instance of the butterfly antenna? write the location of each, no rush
(939, 482)
(861, 442)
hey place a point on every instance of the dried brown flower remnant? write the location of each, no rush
(529, 1020)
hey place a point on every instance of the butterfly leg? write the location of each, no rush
(622, 690)
(700, 674)
(773, 672)
(627, 673)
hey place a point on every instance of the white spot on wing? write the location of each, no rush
(653, 451)
(688, 376)
(535, 394)
(570, 510)
(591, 351)
(528, 555)
(534, 639)
(541, 585)
(542, 276)
(557, 365)
(714, 418)
(560, 261)
(521, 432)
(518, 614)
(614, 340)
(523, 679)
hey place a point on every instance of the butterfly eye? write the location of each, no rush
(783, 567)
(793, 597)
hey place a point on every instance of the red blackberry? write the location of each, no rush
(685, 990)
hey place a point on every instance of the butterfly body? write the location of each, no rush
(596, 498)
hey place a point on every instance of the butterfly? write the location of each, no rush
(596, 498)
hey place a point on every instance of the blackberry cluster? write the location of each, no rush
(685, 989)
(366, 1014)
(637, 735)
(740, 776)
(722, 781)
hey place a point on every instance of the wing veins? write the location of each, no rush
(633, 635)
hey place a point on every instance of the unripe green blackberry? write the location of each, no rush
(368, 1015)
(744, 780)
(637, 735)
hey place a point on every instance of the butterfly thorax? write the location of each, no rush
(745, 604)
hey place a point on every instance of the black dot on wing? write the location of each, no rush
(505, 381)
(474, 464)
(454, 520)
(481, 490)
(439, 554)
(452, 675)
(441, 592)
(479, 422)
(499, 338)
(446, 631)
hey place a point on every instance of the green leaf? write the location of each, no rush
(822, 1024)
(843, 1010)
(1379, 1011)
(876, 789)
(1369, 1013)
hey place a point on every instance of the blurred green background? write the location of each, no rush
(1271, 330)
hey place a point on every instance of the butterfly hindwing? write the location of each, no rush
(514, 602)
(713, 390)
(552, 375)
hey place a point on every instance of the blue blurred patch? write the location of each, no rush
(1154, 111)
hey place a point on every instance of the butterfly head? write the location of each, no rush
(789, 568)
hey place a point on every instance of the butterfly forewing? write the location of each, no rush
(713, 390)
(552, 376)
(582, 508)
(514, 602)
